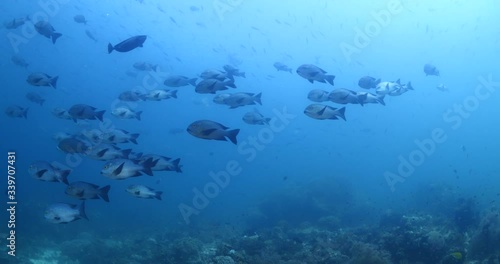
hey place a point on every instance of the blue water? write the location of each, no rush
(306, 170)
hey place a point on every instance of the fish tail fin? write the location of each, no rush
(110, 48)
(192, 81)
(341, 113)
(231, 134)
(176, 165)
(243, 75)
(409, 86)
(99, 114)
(55, 36)
(103, 193)
(290, 71)
(147, 165)
(380, 99)
(330, 78)
(138, 115)
(126, 153)
(53, 82)
(158, 195)
(25, 113)
(81, 211)
(257, 98)
(64, 176)
(230, 83)
(155, 67)
(133, 138)
(173, 94)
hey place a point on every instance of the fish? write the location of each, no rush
(215, 74)
(132, 96)
(128, 44)
(61, 113)
(255, 118)
(90, 35)
(443, 88)
(126, 113)
(430, 69)
(19, 61)
(119, 136)
(346, 96)
(282, 67)
(120, 169)
(73, 145)
(162, 163)
(393, 88)
(161, 94)
(104, 151)
(313, 73)
(16, 22)
(16, 111)
(219, 98)
(80, 19)
(142, 191)
(323, 112)
(93, 135)
(44, 171)
(42, 79)
(242, 99)
(211, 130)
(45, 29)
(83, 190)
(61, 135)
(232, 71)
(318, 95)
(62, 213)
(144, 66)
(369, 98)
(83, 111)
(35, 98)
(213, 85)
(368, 82)
(179, 80)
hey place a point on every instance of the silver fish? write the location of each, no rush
(323, 112)
(142, 191)
(62, 213)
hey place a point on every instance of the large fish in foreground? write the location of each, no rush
(62, 213)
(128, 44)
(211, 130)
(314, 73)
(47, 30)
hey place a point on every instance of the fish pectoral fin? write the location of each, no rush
(40, 173)
(119, 169)
(137, 193)
(322, 111)
(207, 132)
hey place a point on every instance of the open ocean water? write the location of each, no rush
(238, 131)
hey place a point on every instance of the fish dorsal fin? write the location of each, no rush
(398, 81)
